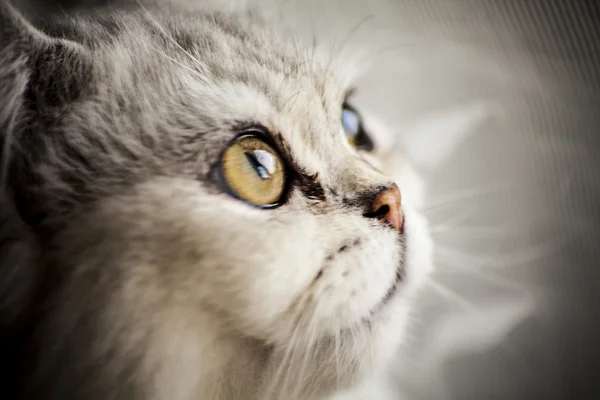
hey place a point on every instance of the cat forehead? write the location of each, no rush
(215, 48)
(231, 69)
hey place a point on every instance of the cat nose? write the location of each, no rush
(387, 206)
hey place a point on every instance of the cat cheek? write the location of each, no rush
(276, 263)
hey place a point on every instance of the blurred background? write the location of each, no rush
(513, 310)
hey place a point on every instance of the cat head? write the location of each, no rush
(194, 178)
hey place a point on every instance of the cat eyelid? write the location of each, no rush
(255, 129)
(349, 93)
(277, 142)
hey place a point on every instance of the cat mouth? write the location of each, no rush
(392, 291)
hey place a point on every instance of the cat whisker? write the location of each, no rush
(7, 145)
(464, 305)
(293, 381)
(528, 255)
(470, 259)
(336, 344)
(171, 39)
(290, 353)
(196, 73)
(304, 332)
(313, 33)
(478, 272)
(366, 57)
(458, 219)
(291, 97)
(293, 70)
(467, 193)
(452, 296)
(309, 354)
(279, 382)
(456, 227)
(458, 230)
(362, 22)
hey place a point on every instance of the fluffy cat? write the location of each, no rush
(193, 209)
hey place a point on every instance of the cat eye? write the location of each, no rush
(354, 129)
(253, 171)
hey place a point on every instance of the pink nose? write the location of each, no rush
(387, 206)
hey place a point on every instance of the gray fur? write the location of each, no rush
(133, 275)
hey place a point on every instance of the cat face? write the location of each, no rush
(195, 178)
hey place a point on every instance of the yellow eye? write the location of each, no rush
(253, 171)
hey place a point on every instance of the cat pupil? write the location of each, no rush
(262, 162)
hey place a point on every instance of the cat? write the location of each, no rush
(193, 208)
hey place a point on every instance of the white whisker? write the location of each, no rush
(289, 355)
(510, 259)
(467, 193)
(307, 357)
(458, 230)
(451, 295)
(158, 26)
(479, 271)
(196, 73)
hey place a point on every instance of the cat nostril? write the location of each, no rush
(387, 206)
(382, 211)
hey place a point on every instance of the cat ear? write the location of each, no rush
(434, 137)
(15, 35)
(30, 59)
(15, 31)
(37, 72)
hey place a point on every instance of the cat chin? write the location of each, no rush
(370, 349)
